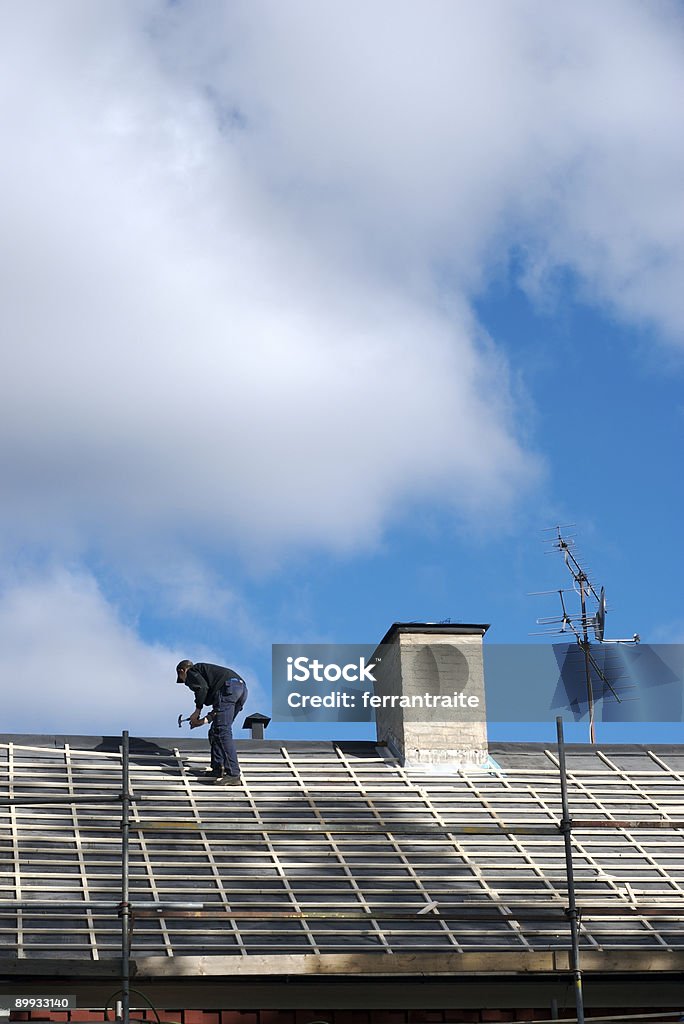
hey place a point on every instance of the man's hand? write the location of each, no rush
(195, 719)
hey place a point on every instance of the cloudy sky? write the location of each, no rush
(314, 317)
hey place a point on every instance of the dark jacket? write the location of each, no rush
(206, 681)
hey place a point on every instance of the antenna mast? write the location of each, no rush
(580, 624)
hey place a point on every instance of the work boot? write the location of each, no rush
(207, 773)
(229, 780)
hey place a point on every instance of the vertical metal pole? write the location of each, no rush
(587, 663)
(566, 828)
(125, 908)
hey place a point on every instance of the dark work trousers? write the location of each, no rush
(211, 736)
(230, 702)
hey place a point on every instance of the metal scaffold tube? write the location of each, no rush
(125, 907)
(566, 828)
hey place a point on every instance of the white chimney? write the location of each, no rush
(429, 695)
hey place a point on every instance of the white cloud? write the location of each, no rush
(186, 358)
(241, 242)
(72, 665)
(450, 131)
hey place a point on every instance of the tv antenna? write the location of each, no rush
(590, 617)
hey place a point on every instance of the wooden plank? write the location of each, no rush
(79, 851)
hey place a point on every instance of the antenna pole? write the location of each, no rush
(581, 579)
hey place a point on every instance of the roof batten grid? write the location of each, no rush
(282, 874)
(55, 829)
(79, 851)
(167, 863)
(549, 861)
(209, 854)
(671, 882)
(631, 784)
(338, 854)
(553, 893)
(15, 851)
(134, 816)
(410, 851)
(105, 867)
(600, 871)
(463, 857)
(545, 856)
(426, 911)
(678, 780)
(399, 852)
(677, 776)
(493, 893)
(492, 897)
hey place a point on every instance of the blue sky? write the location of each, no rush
(314, 319)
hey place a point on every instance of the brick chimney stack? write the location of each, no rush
(433, 661)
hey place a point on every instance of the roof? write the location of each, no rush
(334, 849)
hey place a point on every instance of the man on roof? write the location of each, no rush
(226, 691)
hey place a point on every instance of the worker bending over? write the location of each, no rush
(226, 691)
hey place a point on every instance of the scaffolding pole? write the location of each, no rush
(573, 913)
(125, 905)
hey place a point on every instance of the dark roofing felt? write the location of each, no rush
(334, 848)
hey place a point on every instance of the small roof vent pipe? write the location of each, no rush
(257, 723)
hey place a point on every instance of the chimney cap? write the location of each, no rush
(255, 719)
(438, 628)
